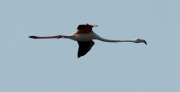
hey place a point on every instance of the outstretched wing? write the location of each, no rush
(85, 28)
(84, 47)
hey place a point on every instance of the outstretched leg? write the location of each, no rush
(49, 37)
(41, 37)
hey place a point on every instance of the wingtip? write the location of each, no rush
(78, 56)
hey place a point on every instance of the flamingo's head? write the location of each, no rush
(140, 41)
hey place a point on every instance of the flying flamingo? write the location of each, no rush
(84, 37)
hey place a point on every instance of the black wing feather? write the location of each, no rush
(83, 48)
(82, 26)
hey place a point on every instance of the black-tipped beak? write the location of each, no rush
(145, 42)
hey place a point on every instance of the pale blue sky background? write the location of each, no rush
(28, 65)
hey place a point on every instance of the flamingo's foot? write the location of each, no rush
(33, 37)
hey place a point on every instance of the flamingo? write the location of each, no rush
(84, 36)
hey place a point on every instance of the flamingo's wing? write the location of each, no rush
(84, 47)
(85, 28)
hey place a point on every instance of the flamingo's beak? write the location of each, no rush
(145, 42)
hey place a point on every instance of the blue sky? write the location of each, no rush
(28, 65)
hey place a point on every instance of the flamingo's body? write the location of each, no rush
(85, 36)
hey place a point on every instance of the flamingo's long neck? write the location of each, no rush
(109, 40)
